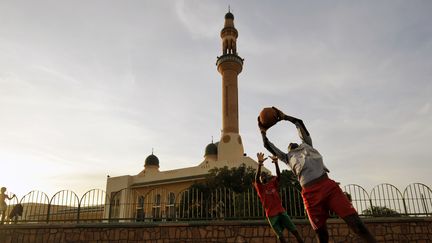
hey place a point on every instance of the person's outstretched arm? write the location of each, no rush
(275, 161)
(261, 160)
(301, 128)
(270, 146)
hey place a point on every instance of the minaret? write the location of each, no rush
(229, 66)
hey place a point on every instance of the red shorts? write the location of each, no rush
(322, 197)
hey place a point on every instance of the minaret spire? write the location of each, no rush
(230, 66)
(229, 35)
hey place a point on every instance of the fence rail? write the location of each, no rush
(128, 205)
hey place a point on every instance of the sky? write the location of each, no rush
(90, 88)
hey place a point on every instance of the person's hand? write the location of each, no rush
(274, 158)
(283, 116)
(261, 158)
(261, 127)
(280, 114)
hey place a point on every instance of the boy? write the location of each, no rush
(320, 194)
(267, 187)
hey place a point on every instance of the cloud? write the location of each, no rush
(104, 84)
(200, 18)
(425, 109)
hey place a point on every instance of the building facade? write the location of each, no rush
(153, 193)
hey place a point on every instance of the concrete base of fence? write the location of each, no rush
(385, 229)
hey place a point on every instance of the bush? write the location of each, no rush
(381, 211)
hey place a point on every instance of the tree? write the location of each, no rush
(381, 211)
(216, 195)
(228, 192)
(288, 178)
(239, 179)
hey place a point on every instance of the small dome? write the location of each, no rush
(229, 15)
(211, 149)
(151, 160)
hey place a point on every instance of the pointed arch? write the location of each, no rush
(155, 202)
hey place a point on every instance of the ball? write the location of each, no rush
(268, 117)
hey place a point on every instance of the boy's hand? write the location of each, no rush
(261, 158)
(274, 158)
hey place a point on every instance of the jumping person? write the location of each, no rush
(320, 194)
(3, 205)
(267, 187)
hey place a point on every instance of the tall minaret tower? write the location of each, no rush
(229, 66)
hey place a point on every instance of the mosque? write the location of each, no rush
(154, 192)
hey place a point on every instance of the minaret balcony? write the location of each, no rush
(229, 58)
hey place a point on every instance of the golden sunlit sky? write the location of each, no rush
(89, 88)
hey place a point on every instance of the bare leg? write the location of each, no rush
(282, 239)
(2, 216)
(357, 225)
(297, 236)
(322, 234)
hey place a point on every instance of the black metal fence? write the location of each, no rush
(127, 205)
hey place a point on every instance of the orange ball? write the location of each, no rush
(268, 117)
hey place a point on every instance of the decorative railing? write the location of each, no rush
(127, 205)
(229, 57)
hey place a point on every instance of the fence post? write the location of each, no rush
(48, 212)
(405, 208)
(109, 210)
(424, 204)
(78, 216)
(372, 208)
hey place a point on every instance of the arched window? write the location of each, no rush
(170, 206)
(140, 209)
(115, 206)
(156, 211)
